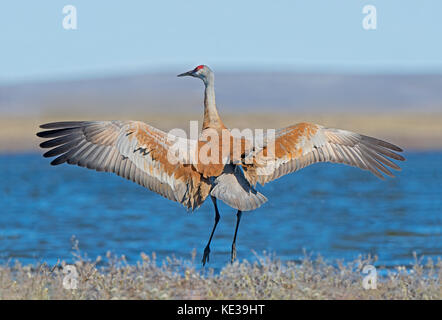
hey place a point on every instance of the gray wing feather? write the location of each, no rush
(338, 146)
(93, 144)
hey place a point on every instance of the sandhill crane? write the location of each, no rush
(139, 152)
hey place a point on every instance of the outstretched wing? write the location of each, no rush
(303, 144)
(132, 150)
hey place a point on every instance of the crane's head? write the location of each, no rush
(203, 72)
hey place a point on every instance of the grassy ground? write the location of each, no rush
(268, 278)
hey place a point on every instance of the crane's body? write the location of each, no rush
(141, 153)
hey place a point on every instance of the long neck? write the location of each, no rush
(211, 117)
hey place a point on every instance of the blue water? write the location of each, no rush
(334, 210)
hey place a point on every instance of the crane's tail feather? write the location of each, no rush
(233, 189)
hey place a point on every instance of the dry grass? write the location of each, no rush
(268, 278)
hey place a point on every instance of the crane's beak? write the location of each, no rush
(188, 73)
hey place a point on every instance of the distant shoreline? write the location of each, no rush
(412, 131)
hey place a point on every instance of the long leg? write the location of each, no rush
(207, 249)
(238, 219)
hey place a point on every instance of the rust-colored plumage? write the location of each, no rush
(227, 167)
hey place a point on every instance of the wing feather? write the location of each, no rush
(303, 144)
(130, 149)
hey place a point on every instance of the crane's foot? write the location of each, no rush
(233, 253)
(206, 255)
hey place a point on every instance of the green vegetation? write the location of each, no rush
(267, 278)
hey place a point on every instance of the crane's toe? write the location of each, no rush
(206, 256)
(233, 253)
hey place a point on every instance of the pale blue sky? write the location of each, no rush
(116, 37)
